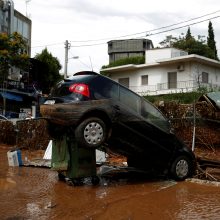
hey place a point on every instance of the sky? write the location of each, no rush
(89, 24)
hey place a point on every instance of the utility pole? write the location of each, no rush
(67, 47)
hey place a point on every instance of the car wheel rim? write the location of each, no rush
(182, 168)
(93, 133)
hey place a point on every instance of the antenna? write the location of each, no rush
(26, 2)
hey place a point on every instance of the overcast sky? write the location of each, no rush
(95, 22)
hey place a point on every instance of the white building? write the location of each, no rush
(168, 70)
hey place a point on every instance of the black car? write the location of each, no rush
(99, 111)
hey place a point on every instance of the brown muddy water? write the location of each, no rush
(36, 193)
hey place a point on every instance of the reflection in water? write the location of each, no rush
(6, 183)
(197, 205)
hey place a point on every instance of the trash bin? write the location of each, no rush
(73, 161)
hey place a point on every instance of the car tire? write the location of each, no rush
(91, 133)
(181, 168)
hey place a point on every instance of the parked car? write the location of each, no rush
(99, 111)
(3, 118)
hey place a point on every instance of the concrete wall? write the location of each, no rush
(151, 56)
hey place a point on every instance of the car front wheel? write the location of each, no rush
(181, 168)
(91, 132)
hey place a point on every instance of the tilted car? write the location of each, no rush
(98, 111)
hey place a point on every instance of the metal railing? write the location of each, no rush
(177, 87)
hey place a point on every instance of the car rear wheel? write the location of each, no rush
(91, 132)
(181, 168)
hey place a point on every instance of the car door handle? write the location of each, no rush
(116, 107)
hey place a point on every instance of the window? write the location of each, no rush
(130, 99)
(144, 80)
(20, 26)
(172, 80)
(25, 30)
(153, 115)
(205, 77)
(104, 88)
(124, 82)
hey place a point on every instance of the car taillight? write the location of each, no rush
(80, 88)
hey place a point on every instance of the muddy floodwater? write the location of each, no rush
(36, 193)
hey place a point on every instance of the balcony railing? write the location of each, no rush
(180, 86)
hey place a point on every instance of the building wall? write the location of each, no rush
(22, 25)
(213, 73)
(158, 77)
(151, 56)
(6, 16)
(13, 21)
(118, 49)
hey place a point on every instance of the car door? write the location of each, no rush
(128, 119)
(159, 144)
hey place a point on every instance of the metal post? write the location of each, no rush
(67, 47)
(194, 126)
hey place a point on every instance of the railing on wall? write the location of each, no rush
(180, 86)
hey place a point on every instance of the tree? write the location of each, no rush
(169, 41)
(188, 34)
(193, 46)
(49, 74)
(12, 53)
(211, 40)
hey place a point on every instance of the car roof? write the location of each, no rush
(91, 73)
(85, 73)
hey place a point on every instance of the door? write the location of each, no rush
(172, 80)
(124, 82)
(124, 131)
(158, 143)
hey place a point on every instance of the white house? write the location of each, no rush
(168, 70)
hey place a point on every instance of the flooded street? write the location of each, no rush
(36, 193)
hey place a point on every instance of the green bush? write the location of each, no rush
(183, 98)
(125, 61)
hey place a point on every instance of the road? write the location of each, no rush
(36, 193)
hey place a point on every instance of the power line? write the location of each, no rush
(184, 26)
(48, 45)
(160, 32)
(143, 32)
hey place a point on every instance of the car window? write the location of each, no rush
(130, 99)
(104, 88)
(153, 115)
